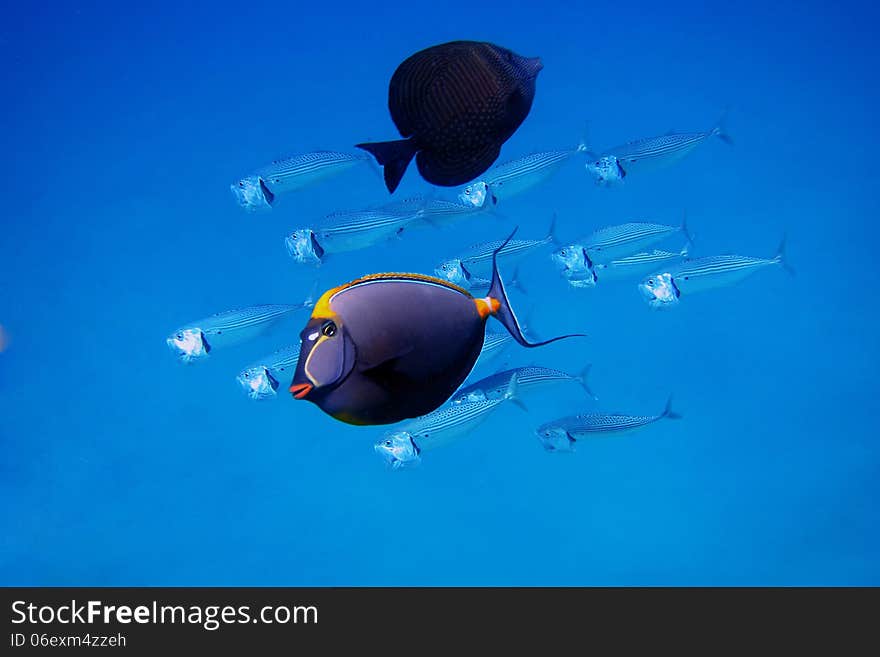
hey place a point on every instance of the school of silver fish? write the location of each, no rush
(612, 251)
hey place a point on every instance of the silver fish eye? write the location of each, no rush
(328, 329)
(467, 191)
(650, 281)
(562, 252)
(387, 443)
(180, 336)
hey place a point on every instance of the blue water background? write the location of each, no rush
(124, 126)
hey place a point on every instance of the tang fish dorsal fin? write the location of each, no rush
(397, 276)
(322, 307)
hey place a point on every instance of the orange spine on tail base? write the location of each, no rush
(487, 306)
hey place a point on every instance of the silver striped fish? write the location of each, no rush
(259, 381)
(664, 289)
(561, 435)
(196, 340)
(495, 343)
(495, 386)
(258, 190)
(611, 242)
(662, 150)
(638, 264)
(404, 446)
(341, 232)
(478, 257)
(434, 211)
(516, 176)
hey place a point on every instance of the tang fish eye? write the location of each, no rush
(328, 329)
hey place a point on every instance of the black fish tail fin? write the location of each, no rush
(394, 156)
(504, 312)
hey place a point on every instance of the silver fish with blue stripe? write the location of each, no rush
(516, 176)
(404, 446)
(259, 190)
(198, 339)
(434, 212)
(664, 289)
(657, 151)
(477, 259)
(260, 380)
(562, 434)
(341, 232)
(495, 386)
(613, 242)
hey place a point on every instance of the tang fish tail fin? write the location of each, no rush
(394, 156)
(512, 391)
(780, 257)
(266, 192)
(668, 413)
(582, 380)
(720, 129)
(501, 308)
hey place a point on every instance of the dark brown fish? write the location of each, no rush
(455, 104)
(388, 347)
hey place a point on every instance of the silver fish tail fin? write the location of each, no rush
(720, 128)
(394, 156)
(504, 312)
(685, 229)
(582, 380)
(511, 393)
(780, 257)
(551, 233)
(668, 412)
(584, 144)
(309, 301)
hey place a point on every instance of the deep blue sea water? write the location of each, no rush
(124, 127)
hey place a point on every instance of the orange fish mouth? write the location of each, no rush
(300, 390)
